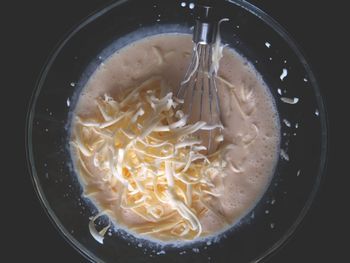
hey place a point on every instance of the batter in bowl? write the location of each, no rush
(138, 159)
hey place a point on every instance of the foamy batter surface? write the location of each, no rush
(248, 113)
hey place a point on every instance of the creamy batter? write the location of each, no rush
(248, 114)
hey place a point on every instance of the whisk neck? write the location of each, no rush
(204, 32)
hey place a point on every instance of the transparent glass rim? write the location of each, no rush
(241, 3)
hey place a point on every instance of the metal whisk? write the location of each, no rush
(199, 89)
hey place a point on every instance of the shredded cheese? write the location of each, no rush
(144, 145)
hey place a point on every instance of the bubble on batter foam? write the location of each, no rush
(232, 204)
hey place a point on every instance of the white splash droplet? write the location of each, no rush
(267, 44)
(183, 4)
(284, 155)
(290, 100)
(195, 250)
(252, 216)
(286, 122)
(191, 5)
(284, 74)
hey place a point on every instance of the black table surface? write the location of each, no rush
(313, 24)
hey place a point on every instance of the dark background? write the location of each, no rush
(317, 27)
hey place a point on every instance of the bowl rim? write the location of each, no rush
(256, 11)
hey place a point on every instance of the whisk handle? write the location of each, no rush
(204, 11)
(206, 21)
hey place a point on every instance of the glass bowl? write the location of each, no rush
(253, 34)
